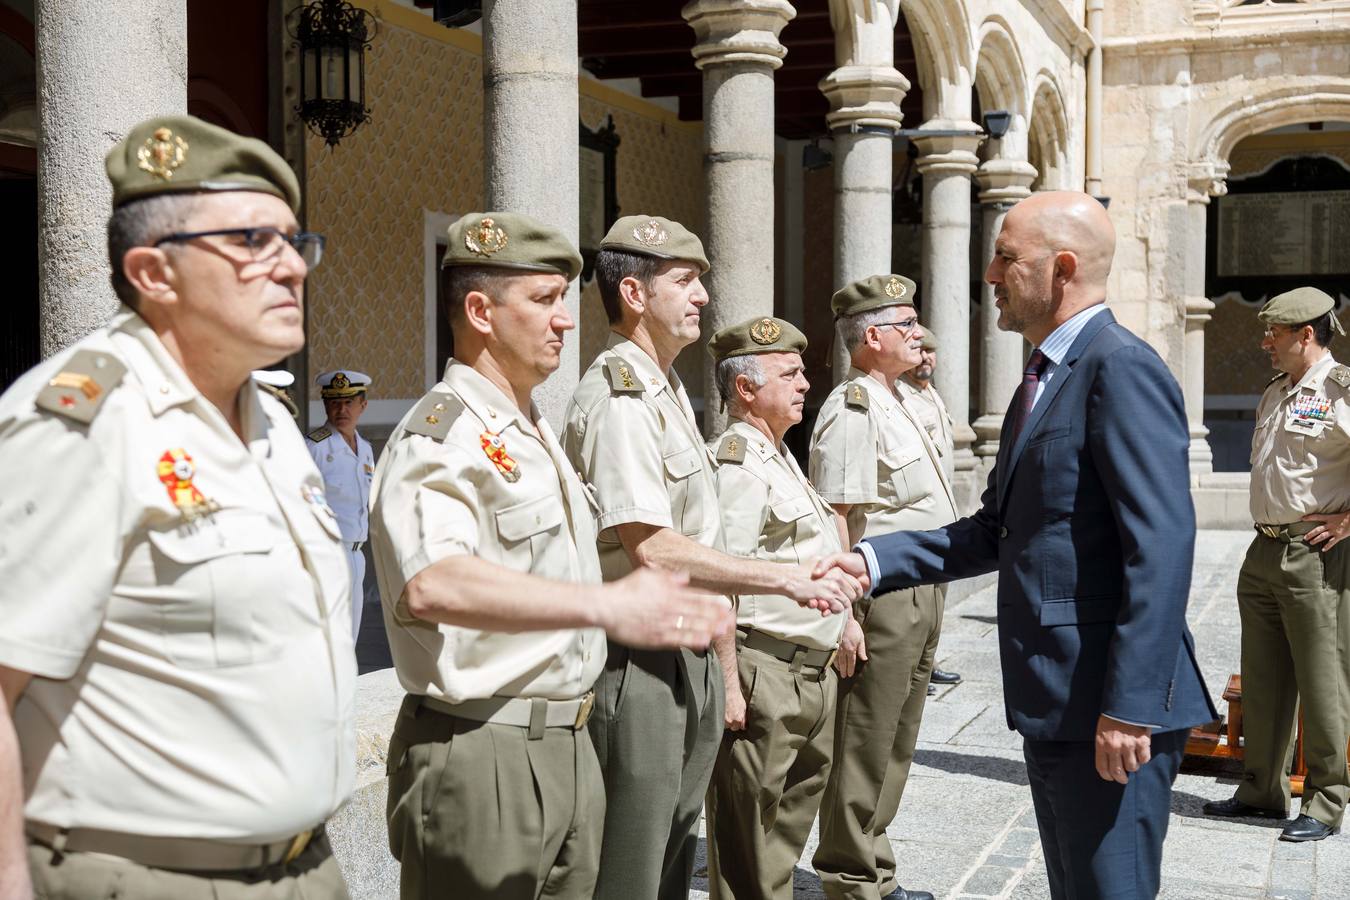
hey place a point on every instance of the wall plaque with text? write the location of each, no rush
(1284, 234)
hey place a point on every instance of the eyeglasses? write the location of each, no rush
(907, 325)
(264, 244)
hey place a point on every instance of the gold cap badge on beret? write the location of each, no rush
(509, 240)
(872, 293)
(162, 153)
(655, 236)
(183, 154)
(762, 334)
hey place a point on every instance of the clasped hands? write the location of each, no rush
(831, 584)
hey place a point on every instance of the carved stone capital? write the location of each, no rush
(864, 96)
(1198, 310)
(738, 31)
(950, 149)
(1005, 180)
(1206, 180)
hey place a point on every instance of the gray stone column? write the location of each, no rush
(947, 160)
(737, 49)
(1204, 182)
(1002, 183)
(865, 92)
(530, 115)
(101, 68)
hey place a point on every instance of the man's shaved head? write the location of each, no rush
(1051, 260)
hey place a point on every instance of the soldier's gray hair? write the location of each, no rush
(140, 223)
(853, 329)
(727, 370)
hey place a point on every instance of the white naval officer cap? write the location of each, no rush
(342, 383)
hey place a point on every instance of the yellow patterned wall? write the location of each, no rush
(423, 150)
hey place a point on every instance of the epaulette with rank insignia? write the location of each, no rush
(621, 377)
(1274, 379)
(1340, 375)
(322, 433)
(855, 395)
(434, 414)
(732, 449)
(81, 386)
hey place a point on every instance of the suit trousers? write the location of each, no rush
(313, 875)
(1102, 840)
(1295, 606)
(768, 780)
(657, 726)
(876, 727)
(478, 810)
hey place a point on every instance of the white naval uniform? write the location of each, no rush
(346, 478)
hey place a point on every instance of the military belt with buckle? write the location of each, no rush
(185, 854)
(797, 656)
(1287, 533)
(534, 713)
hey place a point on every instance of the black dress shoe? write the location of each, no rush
(1306, 828)
(1233, 808)
(941, 677)
(902, 894)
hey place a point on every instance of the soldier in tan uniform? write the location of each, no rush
(484, 543)
(873, 460)
(632, 435)
(916, 390)
(176, 653)
(772, 766)
(1294, 586)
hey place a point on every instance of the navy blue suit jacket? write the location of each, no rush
(1089, 522)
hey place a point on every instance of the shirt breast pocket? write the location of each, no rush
(787, 518)
(216, 581)
(900, 468)
(525, 531)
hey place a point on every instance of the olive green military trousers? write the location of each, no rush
(657, 726)
(479, 810)
(1294, 602)
(768, 780)
(876, 727)
(313, 875)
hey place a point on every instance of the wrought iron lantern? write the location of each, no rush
(333, 37)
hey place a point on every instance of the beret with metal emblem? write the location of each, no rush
(1299, 306)
(655, 236)
(341, 383)
(506, 240)
(183, 154)
(930, 341)
(872, 293)
(762, 334)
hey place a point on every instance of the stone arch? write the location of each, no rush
(1049, 134)
(942, 43)
(1246, 116)
(1000, 80)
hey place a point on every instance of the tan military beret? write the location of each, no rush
(510, 241)
(930, 341)
(872, 293)
(1299, 306)
(762, 334)
(655, 236)
(183, 154)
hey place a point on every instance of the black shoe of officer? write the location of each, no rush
(941, 677)
(1306, 828)
(901, 894)
(1233, 808)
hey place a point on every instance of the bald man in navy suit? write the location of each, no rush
(1088, 520)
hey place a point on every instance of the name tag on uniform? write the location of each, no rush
(1304, 425)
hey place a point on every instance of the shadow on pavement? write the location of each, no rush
(1011, 771)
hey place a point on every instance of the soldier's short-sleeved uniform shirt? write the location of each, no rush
(1301, 447)
(631, 433)
(466, 474)
(181, 599)
(870, 452)
(771, 512)
(347, 475)
(928, 408)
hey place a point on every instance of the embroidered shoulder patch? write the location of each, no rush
(1340, 375)
(855, 396)
(731, 449)
(622, 378)
(434, 414)
(322, 433)
(79, 389)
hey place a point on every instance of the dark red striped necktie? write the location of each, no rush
(1025, 397)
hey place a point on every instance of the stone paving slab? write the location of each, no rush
(966, 830)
